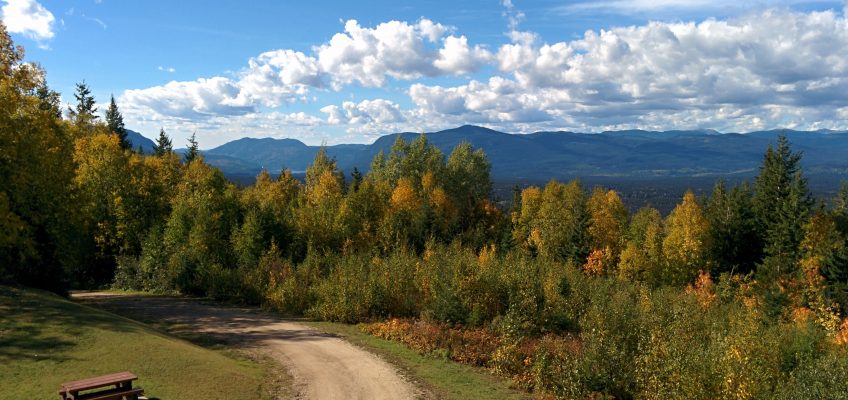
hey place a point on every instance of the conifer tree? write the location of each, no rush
(115, 122)
(734, 244)
(163, 144)
(49, 100)
(83, 114)
(782, 204)
(193, 151)
(355, 179)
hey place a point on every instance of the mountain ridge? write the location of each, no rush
(544, 155)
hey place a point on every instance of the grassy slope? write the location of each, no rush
(46, 340)
(445, 379)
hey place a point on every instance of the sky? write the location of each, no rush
(348, 72)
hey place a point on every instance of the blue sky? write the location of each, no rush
(345, 72)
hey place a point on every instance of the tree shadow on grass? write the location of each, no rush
(41, 326)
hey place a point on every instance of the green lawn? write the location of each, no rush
(46, 340)
(444, 379)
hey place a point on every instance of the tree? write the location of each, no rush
(355, 179)
(82, 115)
(38, 213)
(607, 222)
(468, 182)
(642, 257)
(559, 227)
(115, 122)
(50, 100)
(734, 244)
(686, 241)
(782, 204)
(163, 144)
(840, 209)
(193, 152)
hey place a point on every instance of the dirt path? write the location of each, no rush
(322, 365)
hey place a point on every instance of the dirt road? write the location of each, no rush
(322, 365)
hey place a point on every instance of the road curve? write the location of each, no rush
(322, 365)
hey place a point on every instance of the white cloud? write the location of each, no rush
(166, 69)
(366, 56)
(378, 111)
(768, 69)
(395, 49)
(188, 100)
(28, 18)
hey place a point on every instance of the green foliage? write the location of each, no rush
(163, 144)
(39, 219)
(781, 205)
(192, 151)
(115, 122)
(83, 114)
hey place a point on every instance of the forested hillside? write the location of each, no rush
(739, 294)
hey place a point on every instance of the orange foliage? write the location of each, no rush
(842, 335)
(703, 288)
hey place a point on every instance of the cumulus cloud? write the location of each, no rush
(771, 68)
(767, 65)
(359, 55)
(188, 100)
(28, 18)
(395, 49)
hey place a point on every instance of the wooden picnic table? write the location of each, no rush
(122, 382)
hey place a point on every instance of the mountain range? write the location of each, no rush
(540, 156)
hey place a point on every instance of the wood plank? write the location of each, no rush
(99, 381)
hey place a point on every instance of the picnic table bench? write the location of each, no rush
(122, 390)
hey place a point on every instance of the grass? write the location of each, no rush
(444, 379)
(46, 340)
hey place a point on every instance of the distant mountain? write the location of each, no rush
(542, 156)
(136, 139)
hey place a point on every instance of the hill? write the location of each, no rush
(47, 340)
(540, 156)
(138, 140)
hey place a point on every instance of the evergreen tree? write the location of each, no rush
(734, 243)
(840, 209)
(49, 100)
(193, 151)
(163, 144)
(782, 204)
(115, 122)
(355, 179)
(83, 114)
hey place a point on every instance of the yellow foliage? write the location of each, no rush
(404, 197)
(685, 244)
(607, 220)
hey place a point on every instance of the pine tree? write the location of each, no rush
(83, 114)
(840, 209)
(734, 244)
(49, 100)
(782, 203)
(355, 179)
(193, 151)
(163, 144)
(115, 122)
